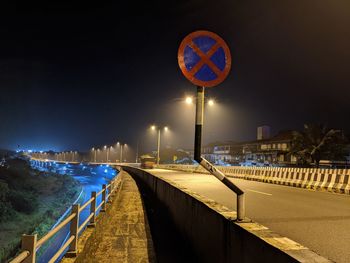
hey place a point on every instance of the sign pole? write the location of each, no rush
(199, 49)
(207, 165)
(199, 123)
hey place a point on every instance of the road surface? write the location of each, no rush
(315, 219)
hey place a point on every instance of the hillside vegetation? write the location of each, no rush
(30, 202)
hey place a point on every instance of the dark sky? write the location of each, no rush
(75, 76)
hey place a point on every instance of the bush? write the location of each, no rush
(25, 202)
(5, 206)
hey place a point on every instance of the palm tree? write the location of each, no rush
(317, 142)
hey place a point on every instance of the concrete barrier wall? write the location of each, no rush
(213, 234)
(334, 180)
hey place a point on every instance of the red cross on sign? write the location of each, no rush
(204, 58)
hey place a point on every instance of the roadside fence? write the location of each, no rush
(30, 243)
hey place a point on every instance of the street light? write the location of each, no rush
(211, 102)
(189, 100)
(94, 151)
(121, 150)
(153, 127)
(107, 152)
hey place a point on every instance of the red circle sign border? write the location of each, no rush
(186, 41)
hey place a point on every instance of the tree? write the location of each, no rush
(318, 142)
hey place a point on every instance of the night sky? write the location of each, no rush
(77, 76)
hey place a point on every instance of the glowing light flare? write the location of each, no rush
(189, 100)
(211, 102)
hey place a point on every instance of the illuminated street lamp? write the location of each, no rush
(211, 102)
(94, 151)
(121, 150)
(189, 100)
(107, 152)
(153, 127)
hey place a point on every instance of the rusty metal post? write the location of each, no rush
(74, 226)
(29, 244)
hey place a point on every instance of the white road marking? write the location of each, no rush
(258, 192)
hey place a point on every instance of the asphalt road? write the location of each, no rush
(316, 219)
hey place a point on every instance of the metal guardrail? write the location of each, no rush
(30, 244)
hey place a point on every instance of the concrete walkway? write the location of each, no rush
(122, 233)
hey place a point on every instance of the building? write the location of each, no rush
(263, 132)
(228, 152)
(265, 150)
(274, 150)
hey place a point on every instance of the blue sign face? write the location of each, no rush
(204, 58)
(205, 44)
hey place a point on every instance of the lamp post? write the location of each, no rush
(121, 153)
(94, 152)
(121, 150)
(153, 127)
(107, 152)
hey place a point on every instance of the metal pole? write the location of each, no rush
(207, 165)
(199, 123)
(121, 153)
(137, 151)
(95, 155)
(158, 146)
